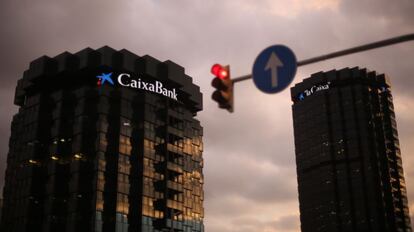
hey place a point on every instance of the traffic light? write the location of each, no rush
(223, 85)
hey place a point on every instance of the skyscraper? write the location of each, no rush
(349, 170)
(1, 207)
(104, 140)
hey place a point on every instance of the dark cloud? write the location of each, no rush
(257, 182)
(284, 223)
(287, 223)
(398, 13)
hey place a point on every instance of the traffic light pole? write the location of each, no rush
(378, 44)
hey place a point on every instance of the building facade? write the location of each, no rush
(1, 208)
(104, 141)
(349, 168)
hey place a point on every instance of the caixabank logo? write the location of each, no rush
(129, 81)
(105, 78)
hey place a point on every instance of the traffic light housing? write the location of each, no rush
(223, 85)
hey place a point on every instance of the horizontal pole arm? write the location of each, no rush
(242, 78)
(378, 44)
(361, 48)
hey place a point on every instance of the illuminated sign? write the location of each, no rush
(314, 89)
(125, 79)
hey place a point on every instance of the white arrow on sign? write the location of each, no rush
(273, 63)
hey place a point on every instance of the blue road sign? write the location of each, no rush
(274, 69)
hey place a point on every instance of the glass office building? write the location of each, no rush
(349, 168)
(104, 141)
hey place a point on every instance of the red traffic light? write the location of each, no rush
(219, 71)
(223, 85)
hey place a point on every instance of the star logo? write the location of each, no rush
(105, 78)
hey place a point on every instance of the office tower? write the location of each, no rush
(1, 207)
(349, 170)
(104, 140)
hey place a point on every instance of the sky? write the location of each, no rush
(250, 173)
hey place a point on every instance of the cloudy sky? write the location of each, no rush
(250, 177)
